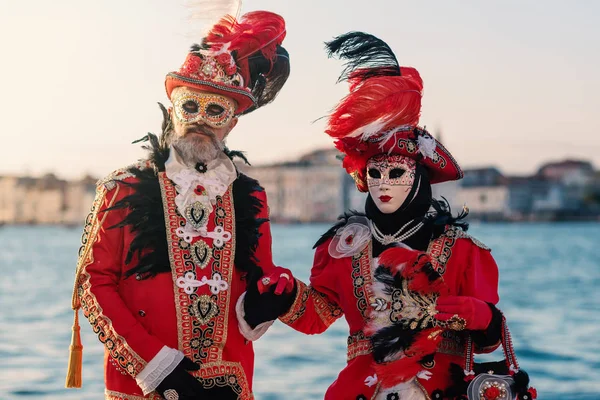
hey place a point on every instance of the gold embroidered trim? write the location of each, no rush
(201, 343)
(362, 279)
(440, 250)
(110, 181)
(299, 306)
(115, 344)
(328, 311)
(452, 343)
(112, 395)
(358, 345)
(460, 234)
(223, 374)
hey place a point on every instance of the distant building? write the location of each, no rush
(313, 189)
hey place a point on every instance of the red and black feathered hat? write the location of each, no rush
(239, 58)
(381, 112)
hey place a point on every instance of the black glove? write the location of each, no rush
(182, 385)
(259, 308)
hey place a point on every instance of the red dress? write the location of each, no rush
(134, 318)
(342, 286)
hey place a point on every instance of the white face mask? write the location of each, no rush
(390, 179)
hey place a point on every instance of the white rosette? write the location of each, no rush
(350, 239)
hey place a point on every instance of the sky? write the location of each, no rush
(510, 83)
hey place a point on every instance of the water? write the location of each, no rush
(549, 276)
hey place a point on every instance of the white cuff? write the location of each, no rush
(245, 329)
(163, 363)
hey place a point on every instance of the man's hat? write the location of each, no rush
(241, 59)
(381, 113)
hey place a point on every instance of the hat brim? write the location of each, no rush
(243, 98)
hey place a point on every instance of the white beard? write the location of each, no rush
(194, 149)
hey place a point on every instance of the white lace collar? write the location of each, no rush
(197, 191)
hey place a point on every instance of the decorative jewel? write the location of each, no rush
(201, 167)
(392, 396)
(456, 323)
(201, 253)
(266, 281)
(196, 215)
(204, 309)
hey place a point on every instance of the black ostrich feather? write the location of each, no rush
(366, 56)
(442, 217)
(145, 218)
(247, 207)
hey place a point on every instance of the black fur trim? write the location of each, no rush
(493, 333)
(247, 235)
(342, 221)
(146, 220)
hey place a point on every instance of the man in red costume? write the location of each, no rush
(173, 241)
(393, 159)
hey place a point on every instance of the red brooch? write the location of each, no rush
(491, 393)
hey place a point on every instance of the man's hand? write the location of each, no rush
(463, 312)
(180, 384)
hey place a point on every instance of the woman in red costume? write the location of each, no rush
(393, 159)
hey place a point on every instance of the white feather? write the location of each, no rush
(204, 14)
(427, 145)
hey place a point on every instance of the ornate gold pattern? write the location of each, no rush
(201, 253)
(225, 374)
(358, 345)
(112, 395)
(328, 312)
(299, 306)
(204, 309)
(440, 249)
(202, 340)
(116, 345)
(361, 279)
(462, 234)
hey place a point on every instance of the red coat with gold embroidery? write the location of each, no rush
(342, 287)
(135, 318)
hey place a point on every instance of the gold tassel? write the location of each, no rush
(75, 356)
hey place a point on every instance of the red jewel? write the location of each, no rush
(349, 240)
(199, 190)
(533, 393)
(469, 378)
(491, 393)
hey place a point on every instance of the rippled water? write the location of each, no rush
(549, 280)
